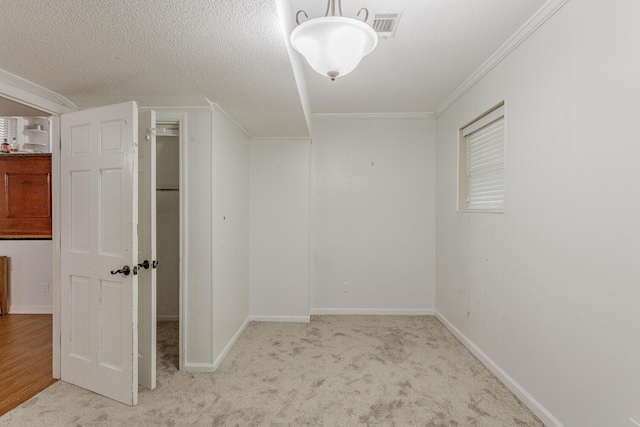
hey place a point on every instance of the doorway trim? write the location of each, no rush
(33, 95)
(57, 243)
(173, 114)
(23, 91)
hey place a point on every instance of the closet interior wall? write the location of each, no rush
(168, 226)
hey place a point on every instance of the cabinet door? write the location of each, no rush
(25, 196)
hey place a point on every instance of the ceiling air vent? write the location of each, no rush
(386, 23)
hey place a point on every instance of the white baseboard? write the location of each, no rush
(230, 344)
(376, 311)
(168, 318)
(199, 367)
(281, 319)
(531, 403)
(31, 309)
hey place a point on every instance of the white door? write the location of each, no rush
(99, 244)
(147, 249)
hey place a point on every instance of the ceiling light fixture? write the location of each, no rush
(334, 45)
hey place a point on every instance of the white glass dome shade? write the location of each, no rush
(334, 45)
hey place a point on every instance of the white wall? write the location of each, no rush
(280, 229)
(216, 189)
(230, 239)
(549, 290)
(29, 267)
(373, 215)
(198, 286)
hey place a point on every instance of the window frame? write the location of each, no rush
(495, 113)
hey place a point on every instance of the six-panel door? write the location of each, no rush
(99, 310)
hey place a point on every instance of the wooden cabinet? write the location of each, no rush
(25, 196)
(4, 284)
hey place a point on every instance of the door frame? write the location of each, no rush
(32, 95)
(173, 114)
(56, 240)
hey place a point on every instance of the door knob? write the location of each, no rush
(145, 264)
(124, 270)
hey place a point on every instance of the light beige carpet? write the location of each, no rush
(334, 371)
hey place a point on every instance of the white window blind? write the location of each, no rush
(485, 162)
(8, 128)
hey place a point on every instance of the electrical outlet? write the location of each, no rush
(346, 288)
(45, 288)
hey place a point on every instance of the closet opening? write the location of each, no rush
(168, 239)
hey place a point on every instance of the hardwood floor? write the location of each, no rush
(25, 358)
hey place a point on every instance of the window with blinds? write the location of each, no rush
(482, 163)
(8, 128)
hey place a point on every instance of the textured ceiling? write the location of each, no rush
(235, 53)
(159, 52)
(438, 44)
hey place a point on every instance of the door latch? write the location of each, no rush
(124, 270)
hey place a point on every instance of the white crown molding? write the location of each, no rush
(529, 27)
(33, 95)
(333, 116)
